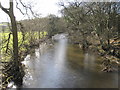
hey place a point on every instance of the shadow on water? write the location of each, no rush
(65, 66)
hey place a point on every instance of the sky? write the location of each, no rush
(43, 7)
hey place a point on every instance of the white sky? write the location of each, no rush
(44, 7)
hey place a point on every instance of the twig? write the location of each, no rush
(8, 42)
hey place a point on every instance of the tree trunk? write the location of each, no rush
(18, 75)
(15, 39)
(15, 35)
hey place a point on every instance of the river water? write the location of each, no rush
(65, 66)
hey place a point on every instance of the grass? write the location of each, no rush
(29, 36)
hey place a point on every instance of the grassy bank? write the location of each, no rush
(26, 42)
(24, 39)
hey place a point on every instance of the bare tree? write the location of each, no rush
(14, 67)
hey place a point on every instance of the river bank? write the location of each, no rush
(7, 70)
(110, 60)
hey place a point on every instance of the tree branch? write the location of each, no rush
(8, 42)
(4, 9)
(19, 8)
(27, 7)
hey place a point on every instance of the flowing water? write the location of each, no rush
(65, 66)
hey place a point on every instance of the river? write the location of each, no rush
(66, 66)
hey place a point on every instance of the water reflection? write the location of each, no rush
(60, 52)
(89, 61)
